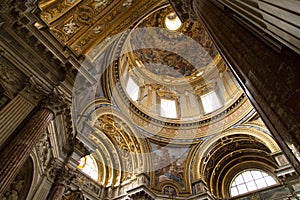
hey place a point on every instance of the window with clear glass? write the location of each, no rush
(168, 108)
(250, 180)
(132, 89)
(210, 102)
(88, 166)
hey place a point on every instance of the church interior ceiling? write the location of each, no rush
(130, 136)
(123, 131)
(154, 101)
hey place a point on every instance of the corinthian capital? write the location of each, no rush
(56, 101)
(33, 91)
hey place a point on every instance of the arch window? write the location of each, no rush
(250, 180)
(132, 89)
(168, 108)
(88, 166)
(210, 102)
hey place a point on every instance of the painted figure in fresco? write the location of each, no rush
(169, 167)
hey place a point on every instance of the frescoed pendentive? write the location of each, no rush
(169, 163)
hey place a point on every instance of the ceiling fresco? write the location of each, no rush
(200, 51)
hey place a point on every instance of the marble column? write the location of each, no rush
(63, 178)
(19, 148)
(270, 76)
(57, 191)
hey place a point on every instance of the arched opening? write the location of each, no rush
(250, 180)
(222, 160)
(89, 166)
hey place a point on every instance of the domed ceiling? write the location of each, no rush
(173, 83)
(165, 75)
(168, 63)
(163, 62)
(165, 101)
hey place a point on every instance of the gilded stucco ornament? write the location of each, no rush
(79, 27)
(84, 15)
(100, 3)
(128, 3)
(70, 27)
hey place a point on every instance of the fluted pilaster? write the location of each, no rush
(12, 116)
(15, 112)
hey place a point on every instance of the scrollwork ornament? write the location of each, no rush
(70, 27)
(51, 170)
(44, 150)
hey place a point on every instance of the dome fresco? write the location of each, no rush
(200, 51)
(175, 78)
(162, 63)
